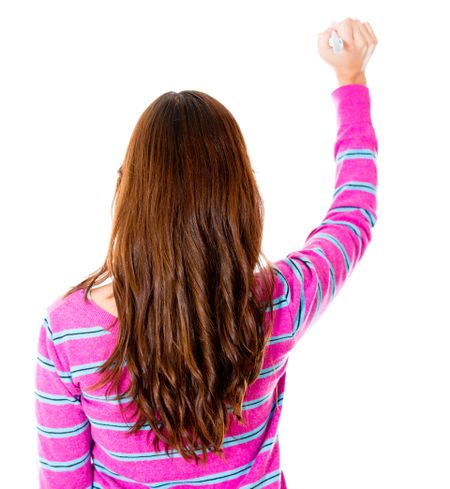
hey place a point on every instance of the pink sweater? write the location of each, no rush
(81, 437)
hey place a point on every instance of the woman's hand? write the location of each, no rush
(359, 43)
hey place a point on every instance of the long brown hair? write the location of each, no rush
(185, 243)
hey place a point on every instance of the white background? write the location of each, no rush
(366, 402)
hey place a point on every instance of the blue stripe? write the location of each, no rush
(348, 208)
(109, 399)
(79, 333)
(356, 185)
(350, 225)
(288, 336)
(103, 469)
(74, 464)
(300, 316)
(46, 324)
(45, 362)
(253, 403)
(86, 368)
(265, 480)
(48, 364)
(311, 266)
(321, 253)
(351, 154)
(339, 245)
(66, 432)
(284, 299)
(300, 313)
(268, 371)
(319, 299)
(111, 425)
(49, 398)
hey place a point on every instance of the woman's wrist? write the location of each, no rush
(360, 79)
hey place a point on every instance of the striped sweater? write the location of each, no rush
(82, 440)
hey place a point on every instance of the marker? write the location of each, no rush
(336, 42)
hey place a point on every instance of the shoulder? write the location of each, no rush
(76, 329)
(68, 313)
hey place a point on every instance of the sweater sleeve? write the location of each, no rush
(63, 430)
(312, 276)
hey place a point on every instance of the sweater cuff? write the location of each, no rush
(352, 104)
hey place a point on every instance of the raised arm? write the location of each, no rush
(311, 277)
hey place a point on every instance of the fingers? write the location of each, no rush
(354, 30)
(369, 29)
(370, 39)
(360, 34)
(345, 30)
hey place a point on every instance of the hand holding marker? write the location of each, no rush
(352, 43)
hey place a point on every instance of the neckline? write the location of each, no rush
(97, 307)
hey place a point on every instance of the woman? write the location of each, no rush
(188, 345)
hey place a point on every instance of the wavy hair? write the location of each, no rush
(185, 243)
